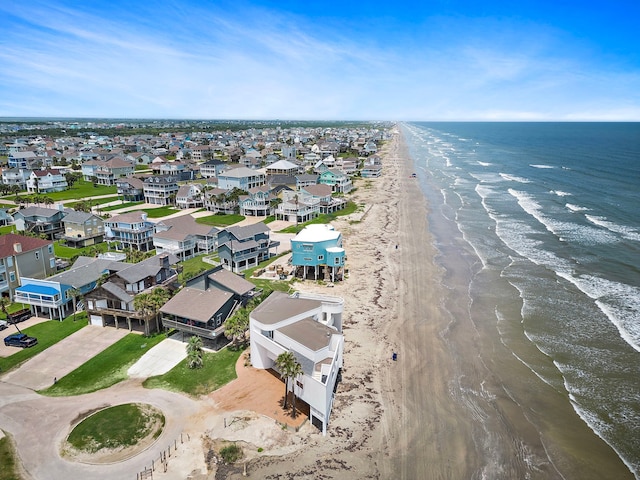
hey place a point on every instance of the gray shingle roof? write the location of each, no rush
(200, 305)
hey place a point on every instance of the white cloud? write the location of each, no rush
(186, 62)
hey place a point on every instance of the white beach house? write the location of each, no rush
(309, 326)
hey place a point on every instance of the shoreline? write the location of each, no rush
(448, 408)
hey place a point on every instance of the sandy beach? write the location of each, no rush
(444, 409)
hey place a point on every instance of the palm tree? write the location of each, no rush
(236, 327)
(296, 370)
(4, 303)
(195, 352)
(48, 201)
(273, 204)
(149, 304)
(74, 293)
(284, 363)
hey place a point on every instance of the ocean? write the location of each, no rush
(550, 214)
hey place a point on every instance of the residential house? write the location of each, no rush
(206, 302)
(212, 168)
(183, 237)
(339, 181)
(283, 167)
(371, 170)
(23, 256)
(317, 253)
(242, 178)
(109, 171)
(370, 148)
(326, 202)
(40, 220)
(177, 169)
(46, 181)
(5, 218)
(131, 189)
(306, 179)
(82, 229)
(16, 176)
(160, 189)
(219, 200)
(130, 230)
(112, 303)
(242, 247)
(297, 207)
(190, 196)
(21, 159)
(257, 203)
(310, 327)
(53, 296)
(278, 180)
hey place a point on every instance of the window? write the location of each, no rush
(336, 261)
(37, 255)
(320, 257)
(52, 262)
(307, 247)
(12, 277)
(50, 249)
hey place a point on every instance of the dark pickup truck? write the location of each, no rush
(20, 340)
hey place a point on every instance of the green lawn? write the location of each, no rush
(48, 333)
(220, 220)
(8, 460)
(82, 189)
(62, 251)
(105, 369)
(116, 427)
(192, 267)
(218, 370)
(161, 212)
(13, 307)
(122, 205)
(7, 229)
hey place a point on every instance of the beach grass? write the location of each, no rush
(105, 369)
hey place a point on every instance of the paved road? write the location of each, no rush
(39, 425)
(63, 357)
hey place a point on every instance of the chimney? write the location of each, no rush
(17, 247)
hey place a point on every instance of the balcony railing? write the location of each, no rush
(202, 332)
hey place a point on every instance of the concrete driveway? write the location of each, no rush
(63, 357)
(160, 359)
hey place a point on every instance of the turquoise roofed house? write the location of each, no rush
(317, 253)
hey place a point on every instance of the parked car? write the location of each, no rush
(3, 325)
(20, 340)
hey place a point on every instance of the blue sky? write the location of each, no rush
(348, 60)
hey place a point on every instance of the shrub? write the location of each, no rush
(231, 453)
